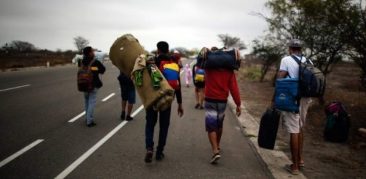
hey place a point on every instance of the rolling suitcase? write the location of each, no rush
(268, 129)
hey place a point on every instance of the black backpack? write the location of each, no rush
(338, 123)
(311, 79)
(85, 78)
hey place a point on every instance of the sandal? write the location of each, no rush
(293, 172)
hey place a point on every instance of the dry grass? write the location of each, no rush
(15, 61)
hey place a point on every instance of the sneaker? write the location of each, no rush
(215, 158)
(129, 118)
(197, 106)
(201, 107)
(148, 156)
(92, 124)
(159, 156)
(123, 115)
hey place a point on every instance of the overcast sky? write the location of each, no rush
(51, 24)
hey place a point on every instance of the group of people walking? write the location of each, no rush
(212, 88)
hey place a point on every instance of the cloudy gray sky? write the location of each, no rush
(52, 24)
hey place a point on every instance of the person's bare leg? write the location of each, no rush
(219, 134)
(294, 145)
(129, 109)
(212, 137)
(201, 97)
(196, 92)
(124, 103)
(301, 145)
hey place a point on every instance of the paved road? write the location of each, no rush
(37, 141)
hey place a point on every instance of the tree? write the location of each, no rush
(313, 22)
(231, 42)
(80, 43)
(269, 51)
(19, 46)
(355, 20)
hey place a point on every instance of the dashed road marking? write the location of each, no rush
(13, 88)
(20, 152)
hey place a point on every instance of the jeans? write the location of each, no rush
(90, 100)
(164, 121)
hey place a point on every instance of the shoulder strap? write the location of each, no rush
(296, 59)
(90, 64)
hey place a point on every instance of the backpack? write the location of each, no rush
(85, 78)
(338, 123)
(170, 70)
(311, 79)
(286, 95)
(199, 75)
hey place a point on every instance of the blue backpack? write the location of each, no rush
(286, 95)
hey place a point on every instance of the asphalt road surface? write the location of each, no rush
(43, 134)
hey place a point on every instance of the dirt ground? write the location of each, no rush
(322, 159)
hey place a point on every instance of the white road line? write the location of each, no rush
(81, 159)
(20, 152)
(77, 117)
(108, 97)
(137, 111)
(13, 88)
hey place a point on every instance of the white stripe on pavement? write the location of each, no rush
(108, 97)
(77, 117)
(137, 111)
(20, 152)
(81, 159)
(13, 88)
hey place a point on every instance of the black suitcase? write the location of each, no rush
(268, 129)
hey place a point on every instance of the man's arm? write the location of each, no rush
(282, 74)
(101, 68)
(234, 90)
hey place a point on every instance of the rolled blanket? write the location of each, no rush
(124, 52)
(227, 59)
(153, 89)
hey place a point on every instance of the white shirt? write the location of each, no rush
(289, 65)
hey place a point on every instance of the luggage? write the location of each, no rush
(171, 72)
(85, 78)
(268, 129)
(311, 79)
(124, 52)
(227, 59)
(286, 95)
(338, 123)
(199, 75)
(154, 90)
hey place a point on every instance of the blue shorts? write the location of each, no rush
(215, 114)
(128, 94)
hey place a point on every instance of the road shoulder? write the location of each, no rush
(275, 160)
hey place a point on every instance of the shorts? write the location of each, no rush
(293, 122)
(199, 85)
(215, 114)
(128, 94)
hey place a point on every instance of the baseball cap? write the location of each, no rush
(296, 43)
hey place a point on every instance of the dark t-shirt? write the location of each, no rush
(125, 81)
